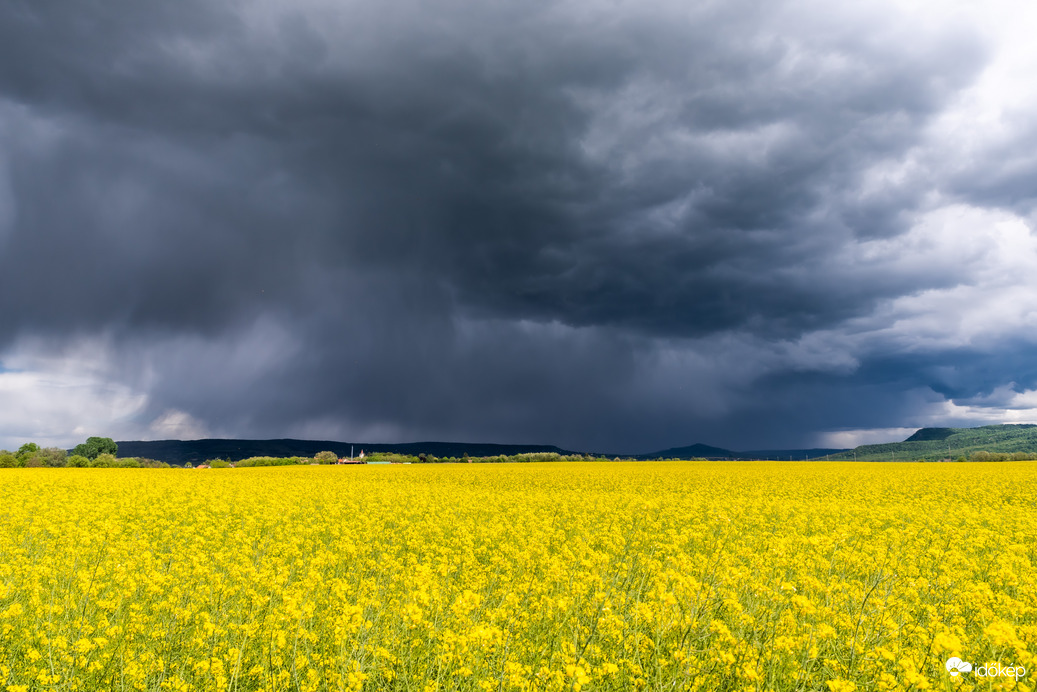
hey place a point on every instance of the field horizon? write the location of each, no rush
(929, 444)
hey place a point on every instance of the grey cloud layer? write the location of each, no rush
(486, 222)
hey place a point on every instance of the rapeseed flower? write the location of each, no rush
(610, 576)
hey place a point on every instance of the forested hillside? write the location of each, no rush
(986, 443)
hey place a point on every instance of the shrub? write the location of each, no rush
(989, 456)
(146, 463)
(77, 461)
(269, 461)
(103, 461)
(52, 456)
(326, 458)
(393, 457)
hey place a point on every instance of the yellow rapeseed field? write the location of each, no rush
(569, 576)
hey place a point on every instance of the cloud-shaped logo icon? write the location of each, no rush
(956, 666)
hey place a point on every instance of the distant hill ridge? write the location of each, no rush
(196, 451)
(700, 451)
(929, 434)
(934, 444)
(929, 444)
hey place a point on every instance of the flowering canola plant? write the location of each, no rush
(567, 576)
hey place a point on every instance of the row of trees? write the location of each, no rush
(96, 452)
(31, 455)
(392, 457)
(100, 452)
(1001, 456)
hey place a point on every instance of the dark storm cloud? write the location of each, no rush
(1002, 175)
(488, 222)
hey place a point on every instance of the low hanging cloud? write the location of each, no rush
(608, 226)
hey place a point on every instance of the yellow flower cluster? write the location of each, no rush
(568, 576)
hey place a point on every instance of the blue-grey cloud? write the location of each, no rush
(616, 227)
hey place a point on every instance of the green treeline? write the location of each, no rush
(1000, 456)
(100, 453)
(96, 452)
(265, 461)
(393, 458)
(983, 444)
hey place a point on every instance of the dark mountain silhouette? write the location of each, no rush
(930, 444)
(196, 451)
(700, 451)
(696, 451)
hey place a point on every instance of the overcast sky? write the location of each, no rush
(613, 226)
